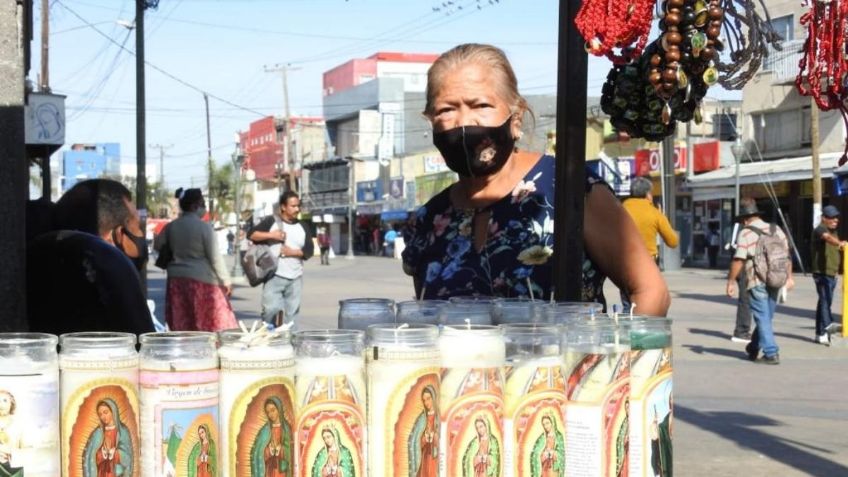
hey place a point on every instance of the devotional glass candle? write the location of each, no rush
(467, 310)
(257, 403)
(29, 404)
(535, 401)
(360, 313)
(518, 310)
(330, 392)
(403, 400)
(178, 380)
(100, 413)
(472, 438)
(419, 311)
(597, 367)
(651, 403)
(564, 312)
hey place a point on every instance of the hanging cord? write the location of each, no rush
(610, 25)
(823, 65)
(747, 51)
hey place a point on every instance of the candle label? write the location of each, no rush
(412, 424)
(184, 431)
(535, 424)
(472, 427)
(261, 425)
(650, 412)
(597, 435)
(331, 428)
(100, 429)
(29, 424)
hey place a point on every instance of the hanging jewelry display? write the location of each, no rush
(615, 29)
(667, 83)
(748, 36)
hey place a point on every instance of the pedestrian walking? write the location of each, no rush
(389, 241)
(196, 297)
(825, 266)
(713, 244)
(231, 238)
(292, 241)
(762, 253)
(324, 244)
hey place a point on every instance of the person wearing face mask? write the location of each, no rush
(491, 233)
(83, 275)
(198, 282)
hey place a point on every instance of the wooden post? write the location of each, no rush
(814, 152)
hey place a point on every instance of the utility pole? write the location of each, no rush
(814, 152)
(287, 145)
(161, 161)
(140, 125)
(209, 159)
(44, 83)
(670, 256)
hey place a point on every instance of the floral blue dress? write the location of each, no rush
(517, 253)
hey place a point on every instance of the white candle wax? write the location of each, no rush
(92, 382)
(331, 396)
(256, 395)
(472, 400)
(403, 408)
(29, 414)
(178, 398)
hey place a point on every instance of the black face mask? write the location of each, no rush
(476, 150)
(140, 244)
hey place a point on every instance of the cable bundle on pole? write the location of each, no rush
(615, 29)
(748, 36)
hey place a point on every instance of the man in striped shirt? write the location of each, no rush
(763, 299)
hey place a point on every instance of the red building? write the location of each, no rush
(379, 65)
(264, 145)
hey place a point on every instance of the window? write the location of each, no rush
(782, 130)
(784, 27)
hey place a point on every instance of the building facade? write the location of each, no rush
(90, 161)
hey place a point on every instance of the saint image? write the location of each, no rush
(10, 435)
(661, 462)
(203, 459)
(108, 451)
(423, 443)
(271, 454)
(482, 456)
(334, 459)
(548, 451)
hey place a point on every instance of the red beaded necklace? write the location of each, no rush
(823, 66)
(610, 25)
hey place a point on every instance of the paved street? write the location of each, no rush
(732, 417)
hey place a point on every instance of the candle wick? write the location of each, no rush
(632, 307)
(421, 295)
(468, 323)
(530, 289)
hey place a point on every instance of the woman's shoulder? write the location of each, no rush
(438, 204)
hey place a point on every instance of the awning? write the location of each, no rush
(791, 169)
(394, 215)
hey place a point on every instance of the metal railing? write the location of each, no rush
(783, 64)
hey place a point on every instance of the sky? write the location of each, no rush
(222, 47)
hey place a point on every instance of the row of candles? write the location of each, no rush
(589, 396)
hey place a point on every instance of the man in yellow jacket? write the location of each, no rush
(650, 222)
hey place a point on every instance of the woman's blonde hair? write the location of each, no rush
(470, 53)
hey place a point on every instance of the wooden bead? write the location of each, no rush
(673, 38)
(672, 19)
(708, 54)
(715, 12)
(668, 87)
(675, 3)
(669, 75)
(655, 77)
(672, 55)
(655, 60)
(713, 32)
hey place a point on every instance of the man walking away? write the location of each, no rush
(324, 244)
(825, 253)
(650, 222)
(762, 252)
(292, 241)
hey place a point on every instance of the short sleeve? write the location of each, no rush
(416, 240)
(819, 232)
(744, 244)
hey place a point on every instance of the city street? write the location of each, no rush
(732, 417)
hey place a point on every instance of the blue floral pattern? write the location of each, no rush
(516, 255)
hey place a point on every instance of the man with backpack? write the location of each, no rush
(762, 253)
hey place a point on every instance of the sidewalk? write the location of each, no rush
(733, 417)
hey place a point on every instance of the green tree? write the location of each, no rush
(223, 190)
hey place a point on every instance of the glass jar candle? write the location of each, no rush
(330, 435)
(99, 390)
(419, 311)
(651, 401)
(403, 400)
(562, 313)
(178, 378)
(467, 310)
(518, 310)
(535, 401)
(597, 367)
(360, 313)
(29, 404)
(257, 403)
(472, 439)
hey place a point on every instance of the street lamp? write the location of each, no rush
(238, 160)
(351, 209)
(738, 151)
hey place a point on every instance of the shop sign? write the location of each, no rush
(434, 164)
(427, 186)
(369, 191)
(707, 156)
(648, 161)
(760, 191)
(396, 187)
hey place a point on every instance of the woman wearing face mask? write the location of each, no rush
(491, 233)
(198, 282)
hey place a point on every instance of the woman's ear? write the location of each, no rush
(516, 126)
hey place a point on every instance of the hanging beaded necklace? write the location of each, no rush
(617, 29)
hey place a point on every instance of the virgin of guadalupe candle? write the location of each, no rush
(257, 403)
(403, 400)
(597, 367)
(330, 435)
(29, 404)
(472, 439)
(360, 313)
(99, 404)
(535, 402)
(179, 404)
(651, 403)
